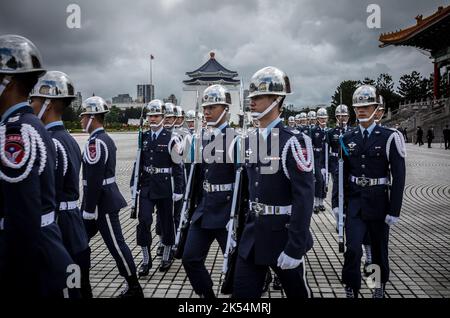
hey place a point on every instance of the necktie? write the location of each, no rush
(154, 137)
(366, 136)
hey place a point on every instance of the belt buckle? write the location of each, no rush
(205, 186)
(257, 207)
(362, 181)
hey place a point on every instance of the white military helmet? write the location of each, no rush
(18, 55)
(312, 115)
(170, 110)
(297, 117)
(155, 107)
(190, 115)
(291, 119)
(269, 81)
(322, 113)
(216, 95)
(94, 105)
(179, 112)
(303, 115)
(365, 95)
(54, 84)
(341, 110)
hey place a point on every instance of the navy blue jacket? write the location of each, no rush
(157, 154)
(215, 207)
(371, 161)
(106, 197)
(269, 235)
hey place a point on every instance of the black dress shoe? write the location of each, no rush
(134, 291)
(276, 283)
(165, 265)
(322, 208)
(144, 269)
(366, 271)
(267, 281)
(316, 210)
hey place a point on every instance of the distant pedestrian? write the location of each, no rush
(430, 136)
(446, 133)
(419, 135)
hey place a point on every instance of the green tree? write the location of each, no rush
(347, 88)
(412, 86)
(385, 87)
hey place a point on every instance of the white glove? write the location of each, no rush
(391, 220)
(324, 173)
(287, 262)
(336, 214)
(90, 216)
(177, 197)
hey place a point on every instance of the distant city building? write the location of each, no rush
(246, 100)
(128, 105)
(76, 103)
(145, 93)
(171, 99)
(212, 72)
(122, 98)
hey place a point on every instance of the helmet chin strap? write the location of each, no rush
(365, 120)
(43, 108)
(258, 116)
(4, 84)
(157, 125)
(179, 125)
(89, 124)
(214, 123)
(168, 126)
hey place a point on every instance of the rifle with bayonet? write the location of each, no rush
(191, 195)
(137, 170)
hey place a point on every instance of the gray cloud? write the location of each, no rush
(318, 43)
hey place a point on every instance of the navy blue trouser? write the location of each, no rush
(196, 250)
(249, 279)
(164, 213)
(356, 233)
(109, 227)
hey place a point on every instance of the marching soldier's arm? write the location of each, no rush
(178, 177)
(94, 177)
(398, 173)
(302, 186)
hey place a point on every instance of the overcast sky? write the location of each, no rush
(317, 43)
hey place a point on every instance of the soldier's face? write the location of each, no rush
(179, 121)
(191, 124)
(84, 121)
(169, 121)
(36, 103)
(342, 119)
(322, 121)
(154, 119)
(363, 112)
(303, 122)
(213, 112)
(380, 114)
(260, 103)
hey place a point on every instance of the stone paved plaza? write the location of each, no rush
(419, 244)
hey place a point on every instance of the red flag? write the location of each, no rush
(152, 57)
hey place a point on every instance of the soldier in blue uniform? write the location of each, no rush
(317, 134)
(33, 260)
(102, 199)
(374, 176)
(156, 170)
(277, 229)
(334, 134)
(209, 220)
(52, 94)
(303, 123)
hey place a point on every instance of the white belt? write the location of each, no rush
(264, 209)
(46, 219)
(70, 205)
(317, 149)
(365, 182)
(334, 154)
(208, 187)
(154, 170)
(105, 182)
